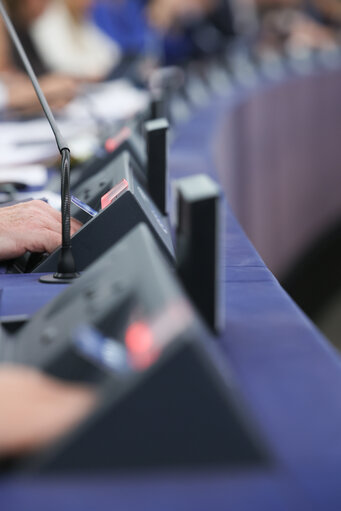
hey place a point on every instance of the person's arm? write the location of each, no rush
(163, 14)
(30, 226)
(329, 8)
(3, 97)
(5, 49)
(37, 409)
(19, 95)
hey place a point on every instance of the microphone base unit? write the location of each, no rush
(164, 398)
(59, 278)
(127, 140)
(102, 231)
(94, 188)
(106, 229)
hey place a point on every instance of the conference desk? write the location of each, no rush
(287, 372)
(253, 302)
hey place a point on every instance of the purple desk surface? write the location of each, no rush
(288, 375)
(23, 295)
(290, 379)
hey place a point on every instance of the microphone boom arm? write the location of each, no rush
(66, 266)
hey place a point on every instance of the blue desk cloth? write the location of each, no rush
(287, 372)
(169, 492)
(24, 295)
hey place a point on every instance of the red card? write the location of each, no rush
(114, 193)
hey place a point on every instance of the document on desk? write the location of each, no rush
(99, 105)
(37, 131)
(52, 198)
(111, 101)
(28, 142)
(14, 155)
(26, 176)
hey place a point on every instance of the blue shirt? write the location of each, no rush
(126, 22)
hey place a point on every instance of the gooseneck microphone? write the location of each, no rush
(66, 271)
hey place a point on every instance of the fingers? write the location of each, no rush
(59, 87)
(50, 240)
(50, 235)
(33, 226)
(75, 226)
(45, 217)
(53, 218)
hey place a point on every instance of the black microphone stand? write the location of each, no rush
(66, 271)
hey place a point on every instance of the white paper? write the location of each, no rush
(32, 141)
(38, 131)
(29, 175)
(52, 198)
(112, 101)
(12, 155)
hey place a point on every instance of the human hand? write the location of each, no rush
(33, 226)
(306, 33)
(58, 90)
(165, 13)
(37, 409)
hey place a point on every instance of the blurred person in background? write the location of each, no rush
(22, 14)
(67, 41)
(289, 25)
(17, 91)
(166, 14)
(18, 97)
(326, 11)
(159, 27)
